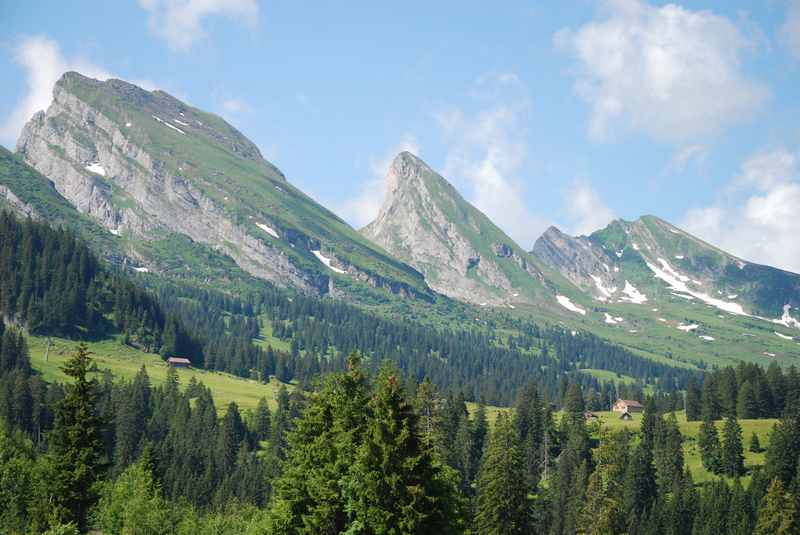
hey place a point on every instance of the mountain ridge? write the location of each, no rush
(144, 165)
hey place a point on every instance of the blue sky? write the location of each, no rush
(566, 113)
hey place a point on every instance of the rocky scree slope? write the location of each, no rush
(144, 165)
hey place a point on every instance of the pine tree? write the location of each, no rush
(231, 435)
(747, 404)
(732, 453)
(708, 442)
(502, 506)
(262, 423)
(640, 486)
(604, 510)
(778, 513)
(394, 486)
(309, 495)
(76, 446)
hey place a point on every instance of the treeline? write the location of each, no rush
(744, 391)
(51, 283)
(365, 453)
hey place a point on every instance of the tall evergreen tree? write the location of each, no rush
(76, 445)
(502, 505)
(732, 458)
(708, 442)
(394, 485)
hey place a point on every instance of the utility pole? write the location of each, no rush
(47, 350)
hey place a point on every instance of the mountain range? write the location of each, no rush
(167, 190)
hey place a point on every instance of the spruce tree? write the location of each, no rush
(732, 453)
(394, 485)
(747, 405)
(262, 423)
(708, 443)
(502, 506)
(778, 513)
(76, 446)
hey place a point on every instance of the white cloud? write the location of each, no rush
(690, 154)
(44, 64)
(672, 73)
(790, 30)
(486, 152)
(180, 22)
(586, 209)
(364, 206)
(757, 220)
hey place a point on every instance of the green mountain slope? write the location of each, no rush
(147, 167)
(660, 289)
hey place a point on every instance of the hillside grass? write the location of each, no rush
(124, 362)
(611, 421)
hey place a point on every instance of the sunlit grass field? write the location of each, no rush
(124, 362)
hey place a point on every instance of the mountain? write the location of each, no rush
(657, 255)
(170, 182)
(425, 222)
(658, 286)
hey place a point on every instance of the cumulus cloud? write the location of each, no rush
(587, 211)
(364, 206)
(180, 22)
(486, 152)
(757, 218)
(43, 62)
(790, 29)
(670, 72)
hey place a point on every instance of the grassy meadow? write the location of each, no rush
(124, 362)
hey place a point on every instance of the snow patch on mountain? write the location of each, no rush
(165, 123)
(707, 338)
(787, 320)
(96, 168)
(633, 295)
(269, 230)
(327, 261)
(611, 320)
(608, 292)
(783, 336)
(677, 283)
(567, 303)
(687, 328)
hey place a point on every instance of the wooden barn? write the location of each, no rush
(627, 405)
(179, 362)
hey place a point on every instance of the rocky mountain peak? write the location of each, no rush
(425, 222)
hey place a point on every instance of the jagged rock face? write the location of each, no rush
(581, 261)
(144, 164)
(425, 222)
(650, 260)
